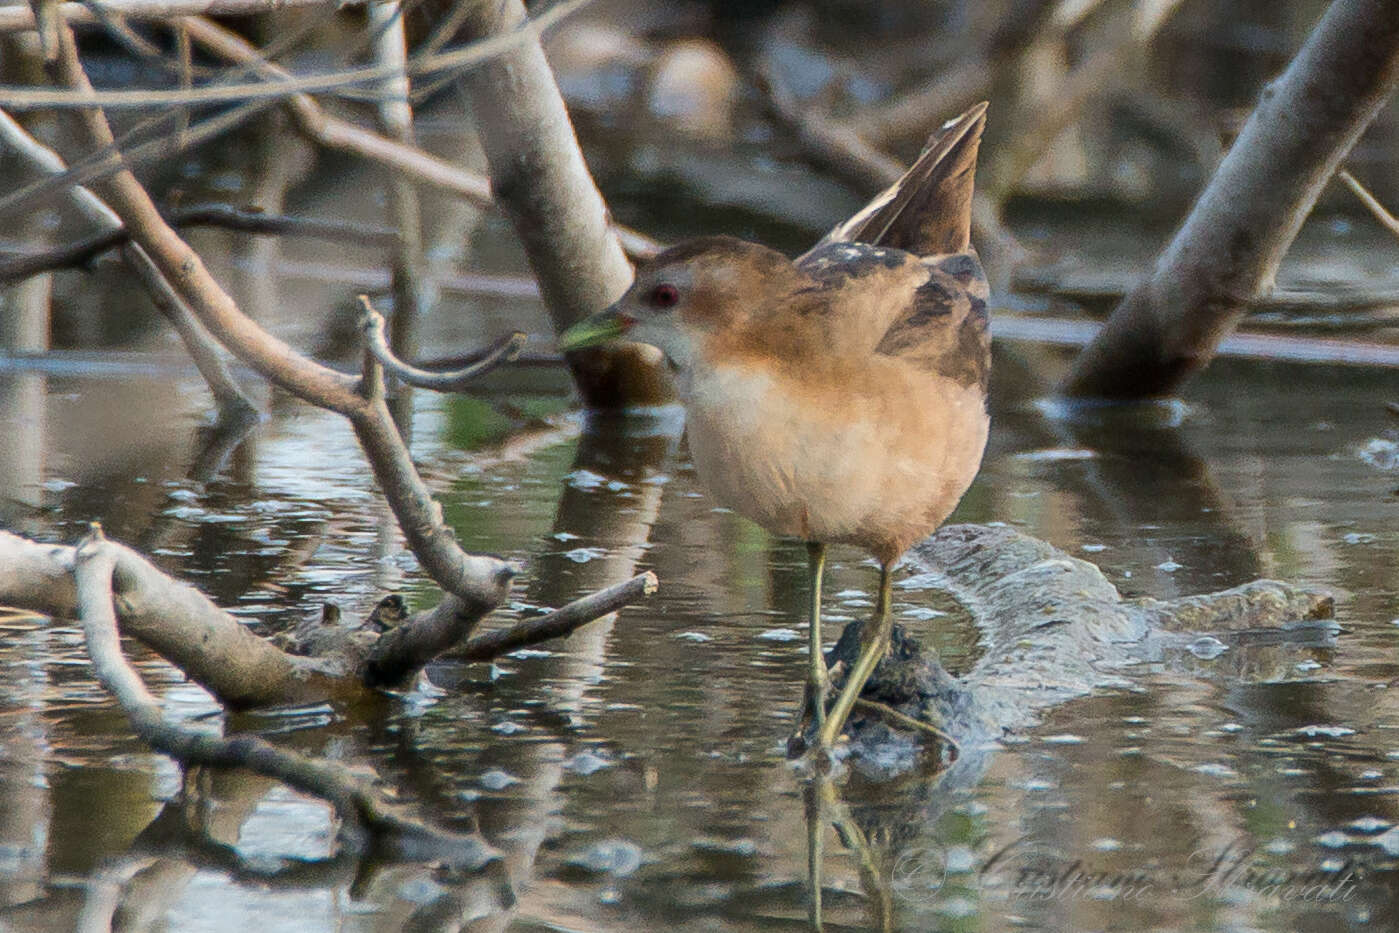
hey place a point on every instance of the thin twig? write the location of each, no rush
(483, 50)
(906, 721)
(335, 133)
(94, 564)
(18, 18)
(1372, 203)
(455, 380)
(560, 622)
(81, 252)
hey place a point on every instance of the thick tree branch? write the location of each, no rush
(538, 173)
(1225, 255)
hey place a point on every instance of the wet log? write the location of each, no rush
(1055, 629)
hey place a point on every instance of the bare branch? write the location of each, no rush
(1226, 253)
(18, 17)
(479, 581)
(335, 133)
(455, 380)
(82, 252)
(560, 622)
(477, 53)
(174, 620)
(1372, 203)
(94, 569)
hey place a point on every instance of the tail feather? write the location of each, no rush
(928, 210)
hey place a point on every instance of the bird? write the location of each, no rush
(841, 397)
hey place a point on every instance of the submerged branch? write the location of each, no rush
(453, 380)
(95, 563)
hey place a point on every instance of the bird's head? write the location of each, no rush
(687, 294)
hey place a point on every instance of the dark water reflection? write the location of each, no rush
(634, 775)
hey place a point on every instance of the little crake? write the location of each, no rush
(840, 397)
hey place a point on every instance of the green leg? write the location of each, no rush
(875, 642)
(817, 680)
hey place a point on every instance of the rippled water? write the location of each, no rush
(634, 775)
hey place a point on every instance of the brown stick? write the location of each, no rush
(560, 622)
(1225, 255)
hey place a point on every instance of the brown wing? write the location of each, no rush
(945, 328)
(927, 211)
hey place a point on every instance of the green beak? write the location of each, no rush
(598, 328)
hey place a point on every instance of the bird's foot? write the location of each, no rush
(815, 698)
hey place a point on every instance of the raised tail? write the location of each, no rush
(929, 210)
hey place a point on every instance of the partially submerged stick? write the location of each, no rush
(95, 564)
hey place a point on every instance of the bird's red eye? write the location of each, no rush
(664, 295)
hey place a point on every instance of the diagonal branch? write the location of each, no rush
(480, 581)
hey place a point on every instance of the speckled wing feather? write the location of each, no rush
(928, 210)
(945, 327)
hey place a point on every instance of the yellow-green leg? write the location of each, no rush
(817, 679)
(874, 638)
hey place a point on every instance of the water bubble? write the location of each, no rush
(1207, 647)
(496, 779)
(780, 634)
